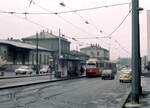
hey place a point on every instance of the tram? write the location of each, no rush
(95, 67)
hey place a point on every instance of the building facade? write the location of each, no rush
(95, 51)
(63, 59)
(49, 41)
(19, 53)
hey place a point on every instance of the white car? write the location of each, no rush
(125, 75)
(24, 70)
(45, 69)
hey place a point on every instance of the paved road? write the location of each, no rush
(77, 93)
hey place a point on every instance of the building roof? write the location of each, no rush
(22, 45)
(93, 47)
(44, 35)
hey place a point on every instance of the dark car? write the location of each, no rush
(107, 74)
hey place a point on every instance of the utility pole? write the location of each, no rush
(59, 49)
(59, 43)
(37, 55)
(135, 52)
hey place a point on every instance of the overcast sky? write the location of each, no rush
(102, 22)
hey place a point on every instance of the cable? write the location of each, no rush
(85, 20)
(67, 21)
(109, 35)
(78, 10)
(33, 22)
(121, 46)
(30, 21)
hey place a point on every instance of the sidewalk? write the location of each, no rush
(144, 100)
(26, 81)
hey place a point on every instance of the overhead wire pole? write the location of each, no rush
(37, 55)
(135, 52)
(59, 44)
(59, 49)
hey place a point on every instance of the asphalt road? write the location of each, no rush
(77, 93)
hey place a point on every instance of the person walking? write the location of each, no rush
(82, 70)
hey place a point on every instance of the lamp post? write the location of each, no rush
(135, 52)
(37, 58)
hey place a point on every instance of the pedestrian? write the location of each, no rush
(82, 70)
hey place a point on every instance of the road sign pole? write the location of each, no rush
(135, 52)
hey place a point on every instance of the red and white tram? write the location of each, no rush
(95, 67)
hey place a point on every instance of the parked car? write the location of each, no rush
(125, 75)
(24, 70)
(45, 69)
(107, 74)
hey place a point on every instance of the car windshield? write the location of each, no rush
(107, 72)
(127, 71)
(24, 67)
(44, 67)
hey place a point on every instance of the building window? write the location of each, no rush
(92, 54)
(5, 52)
(44, 59)
(47, 60)
(98, 54)
(32, 59)
(40, 59)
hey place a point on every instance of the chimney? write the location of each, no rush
(11, 38)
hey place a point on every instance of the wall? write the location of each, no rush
(51, 43)
(3, 52)
(102, 54)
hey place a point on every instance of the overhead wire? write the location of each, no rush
(67, 21)
(77, 10)
(116, 41)
(108, 36)
(84, 19)
(44, 27)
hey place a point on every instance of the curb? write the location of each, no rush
(35, 83)
(11, 77)
(124, 99)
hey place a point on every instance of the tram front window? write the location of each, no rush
(91, 65)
